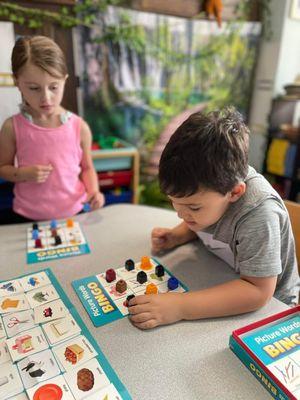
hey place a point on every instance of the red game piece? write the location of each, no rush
(110, 275)
(38, 244)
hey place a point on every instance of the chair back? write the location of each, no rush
(294, 213)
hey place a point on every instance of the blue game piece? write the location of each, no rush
(173, 283)
(53, 224)
(87, 207)
(35, 234)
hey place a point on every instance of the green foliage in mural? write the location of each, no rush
(83, 13)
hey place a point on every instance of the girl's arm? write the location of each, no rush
(8, 171)
(88, 173)
(7, 153)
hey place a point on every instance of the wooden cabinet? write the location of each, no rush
(117, 166)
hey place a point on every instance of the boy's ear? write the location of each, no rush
(237, 191)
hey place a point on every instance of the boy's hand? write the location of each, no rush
(96, 200)
(151, 310)
(162, 239)
(35, 173)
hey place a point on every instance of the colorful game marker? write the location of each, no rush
(146, 263)
(87, 207)
(110, 275)
(53, 224)
(70, 223)
(151, 288)
(173, 283)
(141, 277)
(35, 234)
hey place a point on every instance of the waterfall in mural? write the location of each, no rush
(141, 70)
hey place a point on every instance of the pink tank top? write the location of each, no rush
(63, 193)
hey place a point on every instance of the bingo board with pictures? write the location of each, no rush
(105, 296)
(55, 240)
(46, 352)
(270, 349)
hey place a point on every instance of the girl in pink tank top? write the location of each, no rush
(45, 150)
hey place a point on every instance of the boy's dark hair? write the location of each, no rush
(207, 152)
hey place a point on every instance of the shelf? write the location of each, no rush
(119, 159)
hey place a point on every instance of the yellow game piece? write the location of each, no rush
(151, 289)
(70, 223)
(145, 263)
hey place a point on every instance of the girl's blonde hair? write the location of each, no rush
(42, 52)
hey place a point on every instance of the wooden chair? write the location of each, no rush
(294, 213)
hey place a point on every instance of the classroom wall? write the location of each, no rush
(277, 65)
(264, 83)
(9, 95)
(289, 59)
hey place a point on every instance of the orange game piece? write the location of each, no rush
(70, 223)
(145, 263)
(151, 289)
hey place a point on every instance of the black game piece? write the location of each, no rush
(141, 277)
(35, 226)
(159, 270)
(129, 265)
(128, 298)
(57, 240)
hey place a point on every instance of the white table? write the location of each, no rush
(188, 360)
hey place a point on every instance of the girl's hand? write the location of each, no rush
(96, 200)
(162, 239)
(35, 173)
(151, 310)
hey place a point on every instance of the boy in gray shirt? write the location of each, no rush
(234, 211)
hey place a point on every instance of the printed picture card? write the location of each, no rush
(50, 311)
(2, 330)
(34, 281)
(10, 381)
(4, 353)
(16, 323)
(28, 342)
(13, 303)
(86, 379)
(21, 396)
(55, 388)
(74, 352)
(9, 288)
(37, 368)
(108, 393)
(41, 296)
(61, 329)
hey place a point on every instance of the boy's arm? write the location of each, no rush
(259, 257)
(88, 173)
(165, 238)
(183, 234)
(235, 297)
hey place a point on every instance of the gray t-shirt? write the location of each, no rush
(257, 231)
